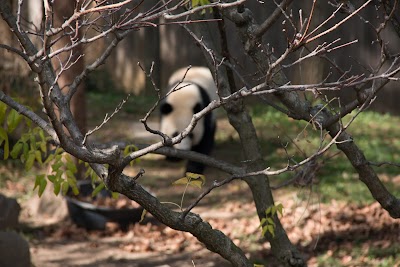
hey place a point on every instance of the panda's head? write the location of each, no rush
(177, 111)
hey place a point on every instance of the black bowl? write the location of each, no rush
(94, 217)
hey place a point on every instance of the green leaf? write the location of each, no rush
(93, 175)
(4, 138)
(29, 161)
(181, 181)
(13, 119)
(270, 221)
(90, 173)
(72, 167)
(42, 186)
(16, 150)
(271, 229)
(64, 187)
(28, 122)
(114, 195)
(279, 207)
(194, 179)
(59, 151)
(32, 142)
(25, 137)
(196, 3)
(268, 210)
(49, 158)
(3, 110)
(88, 170)
(185, 181)
(68, 158)
(129, 149)
(70, 176)
(262, 222)
(98, 189)
(72, 183)
(59, 173)
(264, 230)
(38, 156)
(25, 153)
(43, 147)
(57, 188)
(56, 166)
(75, 189)
(52, 178)
(273, 210)
(41, 134)
(38, 180)
(196, 183)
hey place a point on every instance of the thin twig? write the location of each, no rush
(308, 40)
(106, 119)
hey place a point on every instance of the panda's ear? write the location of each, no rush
(197, 108)
(165, 108)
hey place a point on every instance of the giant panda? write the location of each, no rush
(197, 90)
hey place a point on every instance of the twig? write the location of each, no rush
(379, 164)
(308, 40)
(205, 193)
(106, 119)
(20, 2)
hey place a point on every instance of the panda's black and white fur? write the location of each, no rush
(196, 91)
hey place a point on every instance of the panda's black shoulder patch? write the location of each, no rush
(197, 108)
(166, 108)
(205, 98)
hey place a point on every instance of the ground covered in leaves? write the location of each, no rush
(336, 230)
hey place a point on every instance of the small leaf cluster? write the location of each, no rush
(190, 179)
(267, 224)
(33, 148)
(62, 173)
(193, 179)
(129, 149)
(9, 120)
(196, 3)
